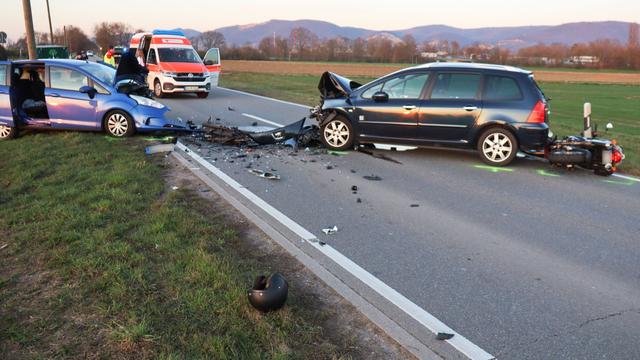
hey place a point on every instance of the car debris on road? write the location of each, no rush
(372, 177)
(330, 231)
(264, 174)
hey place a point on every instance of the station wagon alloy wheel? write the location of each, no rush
(119, 124)
(7, 132)
(337, 134)
(497, 146)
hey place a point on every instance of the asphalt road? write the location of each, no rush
(527, 263)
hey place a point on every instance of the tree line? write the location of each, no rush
(302, 44)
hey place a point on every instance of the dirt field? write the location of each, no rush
(375, 70)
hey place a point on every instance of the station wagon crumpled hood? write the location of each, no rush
(333, 86)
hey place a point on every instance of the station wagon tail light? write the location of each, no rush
(537, 114)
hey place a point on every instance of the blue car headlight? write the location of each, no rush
(141, 100)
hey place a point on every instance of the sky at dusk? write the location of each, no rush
(375, 15)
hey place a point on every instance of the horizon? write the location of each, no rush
(380, 18)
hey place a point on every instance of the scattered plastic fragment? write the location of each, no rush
(329, 231)
(159, 148)
(322, 243)
(443, 336)
(174, 188)
(231, 109)
(359, 200)
(415, 205)
(264, 174)
(3, 246)
(354, 188)
(372, 177)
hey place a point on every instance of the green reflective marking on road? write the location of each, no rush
(542, 172)
(620, 182)
(493, 169)
(337, 153)
(166, 138)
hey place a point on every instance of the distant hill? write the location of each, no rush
(510, 37)
(189, 32)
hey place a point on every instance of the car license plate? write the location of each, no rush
(189, 88)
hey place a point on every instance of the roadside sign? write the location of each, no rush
(3, 37)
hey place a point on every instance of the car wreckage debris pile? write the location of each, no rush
(295, 134)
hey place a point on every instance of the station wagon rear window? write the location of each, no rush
(456, 86)
(3, 75)
(501, 88)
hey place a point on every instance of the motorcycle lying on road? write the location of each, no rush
(587, 150)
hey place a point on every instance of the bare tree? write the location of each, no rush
(112, 33)
(210, 39)
(301, 40)
(634, 36)
(76, 39)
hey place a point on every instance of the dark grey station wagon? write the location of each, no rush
(496, 109)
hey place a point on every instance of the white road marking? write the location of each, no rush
(429, 321)
(262, 119)
(627, 177)
(264, 97)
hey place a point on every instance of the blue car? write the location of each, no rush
(74, 95)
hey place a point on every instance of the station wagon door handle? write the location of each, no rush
(409, 107)
(470, 108)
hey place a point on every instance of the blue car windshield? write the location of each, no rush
(104, 74)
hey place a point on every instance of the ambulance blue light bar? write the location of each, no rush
(168, 32)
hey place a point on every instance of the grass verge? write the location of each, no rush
(103, 261)
(619, 104)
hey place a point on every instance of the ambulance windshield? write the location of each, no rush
(179, 55)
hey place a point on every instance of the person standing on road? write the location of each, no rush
(109, 57)
(140, 57)
(129, 68)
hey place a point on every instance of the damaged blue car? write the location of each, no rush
(76, 95)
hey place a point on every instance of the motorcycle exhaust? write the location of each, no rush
(569, 156)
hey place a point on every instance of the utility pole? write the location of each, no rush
(50, 27)
(28, 24)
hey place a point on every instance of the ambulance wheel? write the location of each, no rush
(157, 89)
(202, 95)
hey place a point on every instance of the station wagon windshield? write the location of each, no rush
(181, 55)
(104, 74)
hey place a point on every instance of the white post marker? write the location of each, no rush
(459, 342)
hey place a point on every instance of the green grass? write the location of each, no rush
(619, 104)
(103, 260)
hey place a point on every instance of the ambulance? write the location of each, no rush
(174, 65)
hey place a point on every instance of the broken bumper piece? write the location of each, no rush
(278, 135)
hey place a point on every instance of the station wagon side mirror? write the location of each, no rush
(208, 62)
(380, 96)
(89, 90)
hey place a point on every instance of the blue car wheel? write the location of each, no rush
(118, 123)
